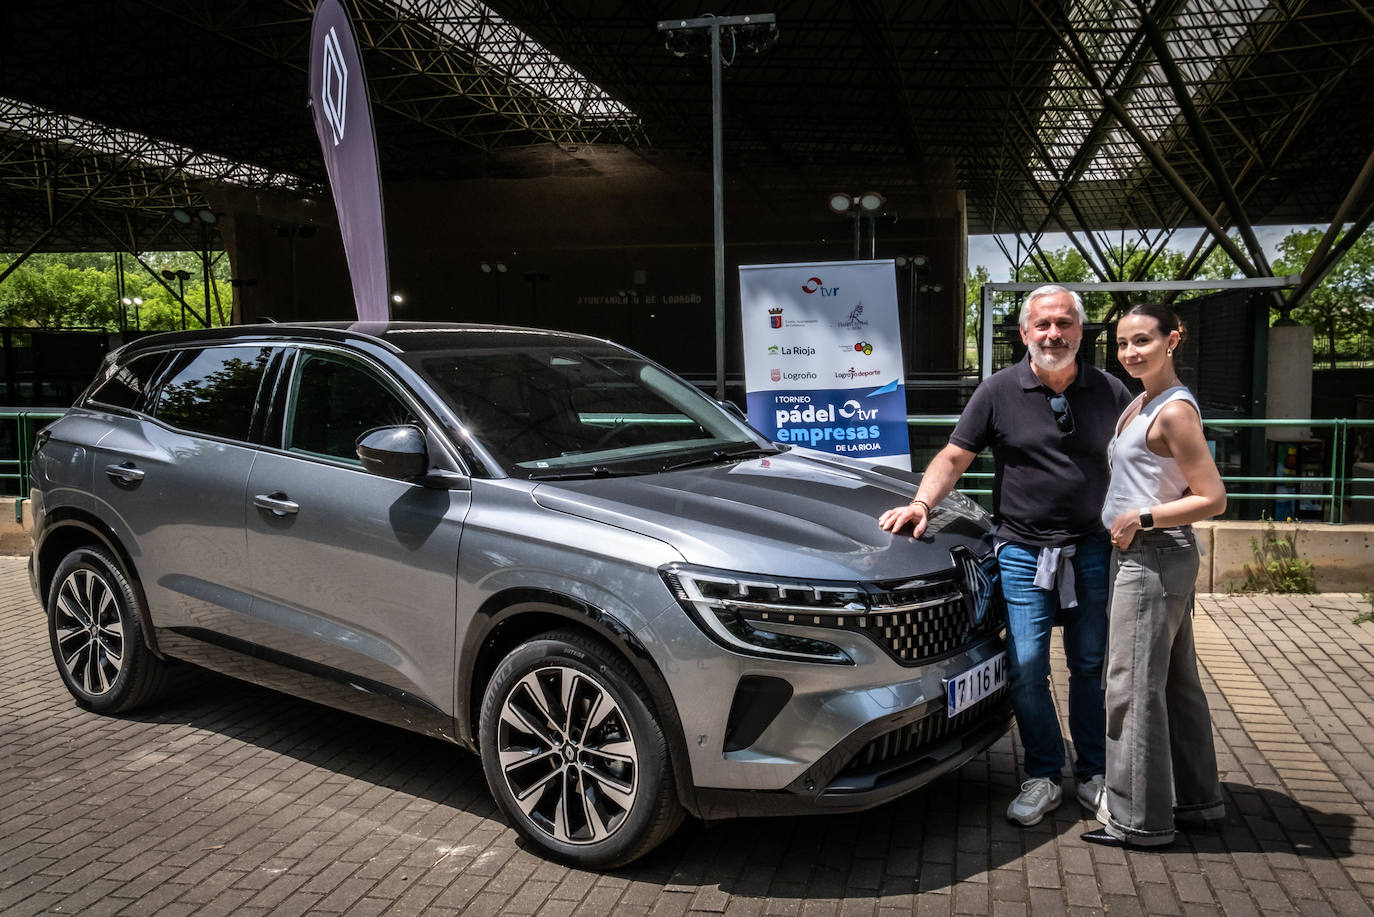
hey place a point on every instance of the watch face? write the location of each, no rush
(1147, 520)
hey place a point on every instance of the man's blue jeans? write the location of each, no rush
(1031, 615)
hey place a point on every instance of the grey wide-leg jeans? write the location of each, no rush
(1160, 754)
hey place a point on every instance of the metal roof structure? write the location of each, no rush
(1083, 116)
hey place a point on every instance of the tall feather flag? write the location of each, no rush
(342, 112)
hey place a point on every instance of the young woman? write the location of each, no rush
(1160, 758)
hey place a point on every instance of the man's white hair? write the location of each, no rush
(1051, 289)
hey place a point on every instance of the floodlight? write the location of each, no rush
(871, 201)
(841, 202)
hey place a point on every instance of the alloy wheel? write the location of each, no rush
(567, 755)
(89, 631)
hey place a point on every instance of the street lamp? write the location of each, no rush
(495, 269)
(865, 206)
(204, 218)
(755, 33)
(134, 301)
(180, 277)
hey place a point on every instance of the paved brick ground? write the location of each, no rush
(230, 799)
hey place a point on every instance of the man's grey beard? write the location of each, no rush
(1052, 361)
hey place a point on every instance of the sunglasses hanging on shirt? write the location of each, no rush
(1063, 415)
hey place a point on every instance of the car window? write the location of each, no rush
(125, 384)
(335, 401)
(564, 408)
(213, 390)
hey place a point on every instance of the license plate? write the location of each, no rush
(967, 689)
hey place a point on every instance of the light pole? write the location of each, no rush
(748, 33)
(866, 206)
(134, 301)
(916, 265)
(495, 269)
(180, 277)
(205, 218)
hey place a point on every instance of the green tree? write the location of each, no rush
(53, 290)
(1341, 307)
(973, 304)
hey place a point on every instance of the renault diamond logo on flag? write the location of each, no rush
(339, 98)
(335, 86)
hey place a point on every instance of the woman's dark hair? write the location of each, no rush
(1165, 317)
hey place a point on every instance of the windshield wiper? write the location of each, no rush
(596, 471)
(721, 455)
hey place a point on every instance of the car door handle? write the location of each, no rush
(277, 503)
(125, 473)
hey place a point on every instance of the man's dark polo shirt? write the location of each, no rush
(1049, 486)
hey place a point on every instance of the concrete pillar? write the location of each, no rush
(1290, 380)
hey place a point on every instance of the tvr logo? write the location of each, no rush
(814, 284)
(852, 410)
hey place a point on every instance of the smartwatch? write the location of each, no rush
(1147, 520)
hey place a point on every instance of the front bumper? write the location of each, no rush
(876, 764)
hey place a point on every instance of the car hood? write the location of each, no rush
(792, 514)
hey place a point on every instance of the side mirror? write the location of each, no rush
(394, 452)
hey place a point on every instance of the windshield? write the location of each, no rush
(558, 411)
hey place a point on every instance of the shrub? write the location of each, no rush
(1277, 566)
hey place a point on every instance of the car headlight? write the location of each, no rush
(736, 611)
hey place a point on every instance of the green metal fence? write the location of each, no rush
(1237, 442)
(17, 429)
(1335, 490)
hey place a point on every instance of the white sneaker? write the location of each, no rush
(1092, 796)
(1038, 796)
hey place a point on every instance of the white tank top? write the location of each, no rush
(1140, 478)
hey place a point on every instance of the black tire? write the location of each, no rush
(595, 793)
(95, 629)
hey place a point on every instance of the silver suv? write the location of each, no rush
(540, 546)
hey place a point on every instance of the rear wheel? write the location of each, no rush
(574, 755)
(95, 620)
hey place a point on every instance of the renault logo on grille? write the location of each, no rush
(976, 583)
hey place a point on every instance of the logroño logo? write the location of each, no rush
(334, 86)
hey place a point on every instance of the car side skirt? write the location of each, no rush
(307, 679)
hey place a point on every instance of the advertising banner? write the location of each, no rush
(343, 121)
(823, 357)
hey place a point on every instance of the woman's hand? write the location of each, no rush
(1124, 528)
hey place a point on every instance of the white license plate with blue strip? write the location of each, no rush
(968, 688)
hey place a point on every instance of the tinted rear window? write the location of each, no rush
(126, 384)
(213, 391)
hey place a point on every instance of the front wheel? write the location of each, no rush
(95, 622)
(574, 755)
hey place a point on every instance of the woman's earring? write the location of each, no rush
(1168, 353)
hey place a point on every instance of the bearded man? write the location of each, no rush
(1048, 420)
